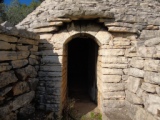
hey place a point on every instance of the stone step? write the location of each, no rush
(116, 114)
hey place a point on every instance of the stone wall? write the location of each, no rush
(128, 63)
(18, 72)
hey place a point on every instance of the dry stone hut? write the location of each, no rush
(109, 48)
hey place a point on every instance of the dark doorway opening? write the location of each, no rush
(82, 67)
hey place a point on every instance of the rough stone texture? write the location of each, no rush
(133, 98)
(16, 47)
(133, 84)
(19, 63)
(20, 88)
(149, 87)
(136, 72)
(152, 77)
(7, 78)
(133, 39)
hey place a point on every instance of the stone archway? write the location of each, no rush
(60, 41)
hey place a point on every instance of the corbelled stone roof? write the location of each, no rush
(55, 12)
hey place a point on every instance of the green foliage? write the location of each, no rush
(16, 12)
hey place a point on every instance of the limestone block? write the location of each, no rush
(110, 52)
(107, 71)
(149, 87)
(140, 92)
(8, 38)
(61, 38)
(142, 114)
(27, 41)
(34, 48)
(137, 63)
(153, 102)
(22, 100)
(136, 72)
(5, 45)
(125, 77)
(5, 67)
(104, 37)
(7, 78)
(146, 51)
(114, 60)
(22, 54)
(114, 103)
(45, 38)
(53, 19)
(114, 95)
(22, 48)
(47, 24)
(51, 60)
(152, 42)
(151, 65)
(121, 43)
(111, 78)
(122, 29)
(20, 88)
(8, 55)
(33, 61)
(158, 90)
(133, 98)
(118, 24)
(119, 66)
(113, 87)
(45, 29)
(152, 77)
(26, 72)
(154, 109)
(74, 29)
(147, 34)
(133, 84)
(92, 29)
(19, 63)
(129, 53)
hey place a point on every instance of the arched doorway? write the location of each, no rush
(82, 72)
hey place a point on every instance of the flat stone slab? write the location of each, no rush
(116, 114)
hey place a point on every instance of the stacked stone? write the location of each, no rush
(18, 71)
(144, 81)
(50, 74)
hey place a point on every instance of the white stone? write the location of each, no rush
(113, 87)
(115, 60)
(152, 77)
(137, 63)
(136, 72)
(45, 29)
(112, 52)
(152, 42)
(133, 98)
(111, 78)
(146, 51)
(113, 95)
(114, 66)
(151, 65)
(107, 71)
(133, 84)
(148, 87)
(114, 103)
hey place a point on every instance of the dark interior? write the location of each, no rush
(82, 62)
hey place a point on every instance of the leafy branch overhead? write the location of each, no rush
(16, 12)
